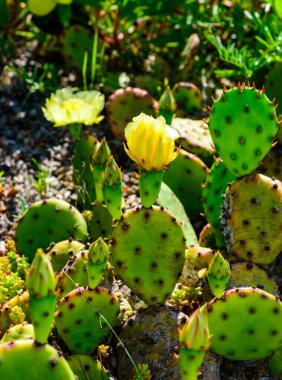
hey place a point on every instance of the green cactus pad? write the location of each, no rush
(25, 359)
(101, 222)
(42, 314)
(242, 124)
(124, 104)
(60, 253)
(149, 83)
(213, 190)
(151, 239)
(251, 218)
(185, 176)
(73, 275)
(18, 332)
(76, 41)
(245, 324)
(198, 257)
(169, 200)
(207, 238)
(275, 363)
(85, 367)
(272, 164)
(48, 221)
(84, 318)
(83, 178)
(188, 98)
(195, 137)
(249, 274)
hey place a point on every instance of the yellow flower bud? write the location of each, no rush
(150, 142)
(66, 107)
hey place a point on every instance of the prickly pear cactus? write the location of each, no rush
(195, 137)
(76, 41)
(98, 255)
(273, 84)
(48, 221)
(169, 200)
(242, 124)
(214, 188)
(83, 177)
(272, 164)
(18, 332)
(151, 239)
(73, 275)
(101, 222)
(86, 367)
(188, 98)
(254, 332)
(60, 253)
(199, 257)
(185, 177)
(124, 104)
(251, 218)
(84, 317)
(218, 274)
(275, 363)
(27, 359)
(249, 274)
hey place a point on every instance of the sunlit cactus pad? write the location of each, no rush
(195, 137)
(245, 324)
(126, 103)
(48, 221)
(85, 316)
(148, 251)
(60, 252)
(251, 218)
(25, 359)
(242, 124)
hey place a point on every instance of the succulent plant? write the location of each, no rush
(167, 105)
(48, 221)
(252, 115)
(42, 300)
(245, 324)
(199, 257)
(86, 367)
(214, 187)
(273, 83)
(188, 98)
(185, 176)
(59, 253)
(218, 274)
(272, 164)
(124, 104)
(98, 255)
(27, 359)
(84, 317)
(100, 161)
(101, 222)
(251, 218)
(151, 239)
(18, 332)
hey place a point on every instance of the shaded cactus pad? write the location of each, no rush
(48, 221)
(84, 317)
(251, 218)
(25, 359)
(245, 324)
(148, 252)
(86, 367)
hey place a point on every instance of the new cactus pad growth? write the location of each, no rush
(84, 317)
(218, 274)
(42, 300)
(245, 324)
(26, 359)
(98, 255)
(99, 166)
(194, 342)
(112, 188)
(48, 221)
(151, 239)
(215, 186)
(245, 118)
(251, 218)
(167, 105)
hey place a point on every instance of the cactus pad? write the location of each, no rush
(60, 253)
(48, 221)
(151, 239)
(213, 190)
(84, 316)
(185, 177)
(195, 137)
(254, 332)
(188, 98)
(18, 332)
(25, 359)
(251, 218)
(124, 104)
(242, 124)
(85, 367)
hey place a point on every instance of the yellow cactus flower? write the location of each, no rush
(150, 142)
(68, 107)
